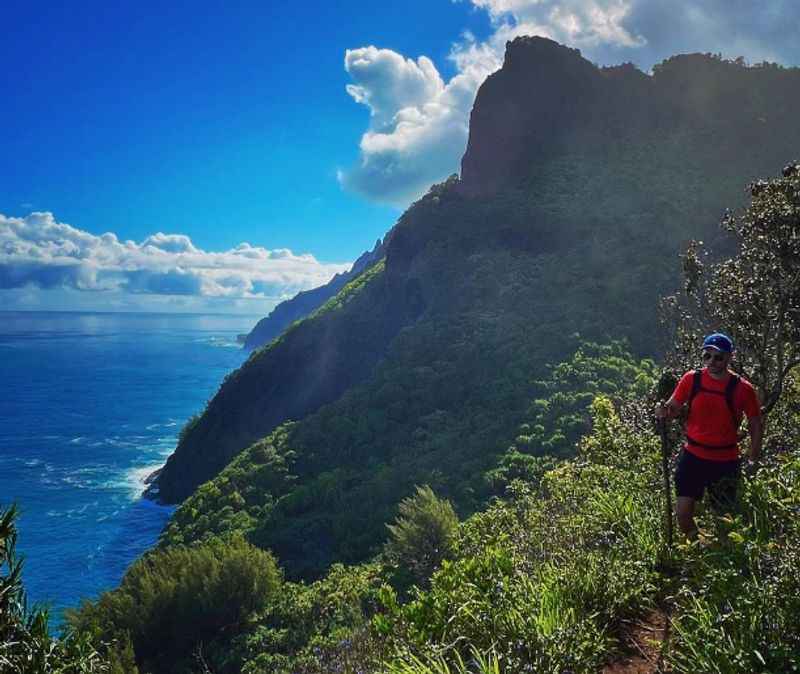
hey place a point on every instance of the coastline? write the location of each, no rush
(83, 467)
(151, 485)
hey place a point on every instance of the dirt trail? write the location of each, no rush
(643, 640)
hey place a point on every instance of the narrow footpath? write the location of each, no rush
(643, 640)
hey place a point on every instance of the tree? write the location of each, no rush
(753, 296)
(423, 533)
(180, 602)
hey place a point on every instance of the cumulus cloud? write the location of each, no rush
(418, 126)
(38, 252)
(648, 31)
(386, 82)
(170, 243)
(579, 23)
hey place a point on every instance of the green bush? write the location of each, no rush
(423, 534)
(738, 608)
(560, 413)
(319, 627)
(183, 602)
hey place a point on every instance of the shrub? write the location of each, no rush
(173, 602)
(423, 533)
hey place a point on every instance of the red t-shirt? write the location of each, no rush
(710, 420)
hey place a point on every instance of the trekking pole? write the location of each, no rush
(666, 384)
(665, 454)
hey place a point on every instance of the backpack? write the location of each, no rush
(730, 389)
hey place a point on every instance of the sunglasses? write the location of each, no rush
(716, 357)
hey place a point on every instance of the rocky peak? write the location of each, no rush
(542, 88)
(528, 53)
(548, 101)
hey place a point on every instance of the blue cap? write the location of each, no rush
(719, 342)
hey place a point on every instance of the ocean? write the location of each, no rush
(92, 404)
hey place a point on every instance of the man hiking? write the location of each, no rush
(714, 399)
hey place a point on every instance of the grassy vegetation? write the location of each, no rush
(544, 576)
(545, 579)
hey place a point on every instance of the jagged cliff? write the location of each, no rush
(548, 102)
(579, 187)
(308, 301)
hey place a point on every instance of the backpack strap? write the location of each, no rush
(697, 380)
(730, 391)
(692, 441)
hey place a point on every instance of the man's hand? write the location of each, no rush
(667, 410)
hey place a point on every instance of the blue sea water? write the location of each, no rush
(91, 404)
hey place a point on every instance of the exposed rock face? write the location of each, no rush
(542, 91)
(304, 303)
(547, 101)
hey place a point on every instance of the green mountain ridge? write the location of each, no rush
(477, 294)
(582, 240)
(307, 301)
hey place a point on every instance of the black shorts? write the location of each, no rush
(694, 475)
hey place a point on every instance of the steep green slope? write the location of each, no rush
(339, 347)
(421, 370)
(322, 490)
(305, 303)
(503, 293)
(444, 403)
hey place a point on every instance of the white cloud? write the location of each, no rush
(578, 23)
(37, 252)
(386, 82)
(170, 243)
(649, 31)
(419, 124)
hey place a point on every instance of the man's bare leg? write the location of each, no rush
(684, 509)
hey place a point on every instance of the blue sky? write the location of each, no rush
(227, 124)
(236, 153)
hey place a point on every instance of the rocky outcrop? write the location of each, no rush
(548, 101)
